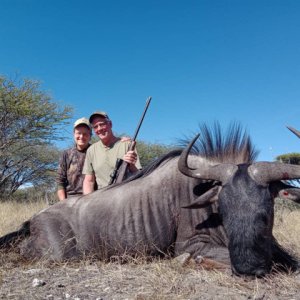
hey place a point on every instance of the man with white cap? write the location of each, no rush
(69, 177)
(101, 157)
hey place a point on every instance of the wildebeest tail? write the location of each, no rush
(15, 236)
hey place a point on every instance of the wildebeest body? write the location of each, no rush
(151, 223)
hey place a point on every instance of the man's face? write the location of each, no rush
(82, 136)
(102, 128)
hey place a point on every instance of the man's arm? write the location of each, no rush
(61, 176)
(61, 194)
(88, 184)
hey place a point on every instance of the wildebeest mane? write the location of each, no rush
(232, 145)
(153, 165)
(157, 162)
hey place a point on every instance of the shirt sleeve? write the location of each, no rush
(61, 176)
(88, 166)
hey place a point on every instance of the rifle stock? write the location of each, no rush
(121, 167)
(124, 166)
(114, 173)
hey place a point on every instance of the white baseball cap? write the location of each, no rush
(82, 121)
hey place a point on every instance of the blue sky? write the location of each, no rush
(201, 61)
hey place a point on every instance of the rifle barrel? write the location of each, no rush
(120, 169)
(142, 119)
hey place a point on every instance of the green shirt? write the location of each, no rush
(101, 160)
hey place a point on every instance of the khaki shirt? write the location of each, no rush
(101, 160)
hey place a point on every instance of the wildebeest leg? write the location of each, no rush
(202, 245)
(51, 237)
(210, 264)
(186, 259)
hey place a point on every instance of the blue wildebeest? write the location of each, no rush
(217, 204)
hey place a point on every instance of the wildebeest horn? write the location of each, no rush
(220, 172)
(266, 172)
(295, 131)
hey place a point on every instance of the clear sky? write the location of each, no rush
(201, 61)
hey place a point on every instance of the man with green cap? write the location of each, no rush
(101, 157)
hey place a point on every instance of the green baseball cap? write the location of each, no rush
(99, 114)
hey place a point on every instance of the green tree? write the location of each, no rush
(29, 123)
(148, 151)
(289, 158)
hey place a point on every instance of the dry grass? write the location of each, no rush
(287, 228)
(13, 214)
(138, 279)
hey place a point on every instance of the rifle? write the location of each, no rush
(121, 166)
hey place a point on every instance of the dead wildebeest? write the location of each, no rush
(217, 204)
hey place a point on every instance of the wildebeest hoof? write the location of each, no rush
(210, 264)
(199, 259)
(182, 259)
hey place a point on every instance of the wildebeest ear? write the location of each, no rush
(206, 199)
(290, 194)
(285, 191)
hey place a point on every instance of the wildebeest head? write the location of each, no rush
(245, 195)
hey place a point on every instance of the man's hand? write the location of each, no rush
(125, 139)
(61, 194)
(130, 157)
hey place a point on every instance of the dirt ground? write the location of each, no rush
(140, 280)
